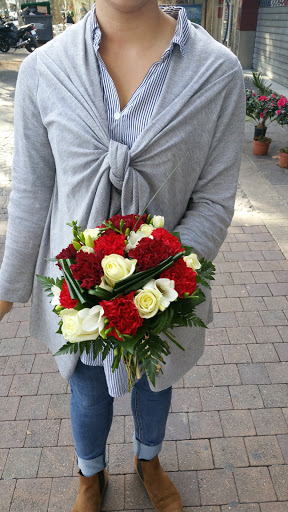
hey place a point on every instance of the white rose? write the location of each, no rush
(147, 302)
(94, 233)
(84, 248)
(134, 239)
(146, 229)
(105, 285)
(56, 292)
(192, 261)
(158, 221)
(116, 268)
(83, 325)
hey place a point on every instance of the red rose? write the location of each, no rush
(129, 222)
(279, 112)
(262, 98)
(111, 243)
(168, 239)
(149, 252)
(65, 298)
(183, 276)
(88, 269)
(261, 115)
(122, 315)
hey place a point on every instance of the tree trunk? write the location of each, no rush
(56, 12)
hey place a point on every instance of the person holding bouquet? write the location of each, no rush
(131, 93)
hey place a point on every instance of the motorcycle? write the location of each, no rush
(17, 37)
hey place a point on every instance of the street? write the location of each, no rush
(226, 444)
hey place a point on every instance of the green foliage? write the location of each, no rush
(76, 292)
(68, 348)
(150, 354)
(183, 311)
(77, 232)
(259, 82)
(206, 272)
(48, 282)
(100, 293)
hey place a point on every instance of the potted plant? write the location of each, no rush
(282, 119)
(262, 105)
(260, 109)
(283, 158)
(261, 145)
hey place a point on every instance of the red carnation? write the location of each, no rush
(183, 276)
(68, 253)
(65, 298)
(168, 239)
(122, 315)
(129, 222)
(88, 269)
(149, 252)
(111, 243)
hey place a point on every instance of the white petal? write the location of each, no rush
(97, 310)
(90, 323)
(83, 313)
(150, 285)
(105, 285)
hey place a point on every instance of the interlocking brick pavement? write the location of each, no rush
(226, 444)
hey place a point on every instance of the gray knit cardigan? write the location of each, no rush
(66, 168)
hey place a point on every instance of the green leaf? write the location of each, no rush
(188, 250)
(177, 234)
(97, 346)
(46, 282)
(173, 340)
(76, 292)
(150, 353)
(68, 348)
(101, 293)
(107, 347)
(76, 245)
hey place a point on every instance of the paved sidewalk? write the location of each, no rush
(226, 445)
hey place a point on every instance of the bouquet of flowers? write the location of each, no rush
(124, 284)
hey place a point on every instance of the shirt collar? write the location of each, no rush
(180, 37)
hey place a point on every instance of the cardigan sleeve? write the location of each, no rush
(211, 205)
(33, 177)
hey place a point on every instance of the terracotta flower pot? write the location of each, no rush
(283, 160)
(260, 148)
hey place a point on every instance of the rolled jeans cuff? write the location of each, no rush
(92, 466)
(143, 451)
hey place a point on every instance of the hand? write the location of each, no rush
(5, 307)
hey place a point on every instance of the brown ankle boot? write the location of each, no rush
(162, 492)
(91, 492)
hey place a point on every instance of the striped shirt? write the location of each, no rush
(125, 126)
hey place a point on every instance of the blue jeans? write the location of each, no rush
(91, 414)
